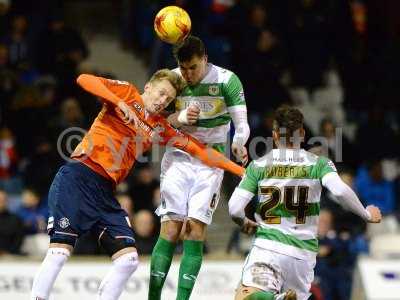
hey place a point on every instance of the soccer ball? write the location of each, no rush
(172, 24)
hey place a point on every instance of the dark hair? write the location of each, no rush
(289, 118)
(190, 47)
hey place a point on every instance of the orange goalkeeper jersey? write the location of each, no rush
(111, 147)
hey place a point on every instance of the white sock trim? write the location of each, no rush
(61, 251)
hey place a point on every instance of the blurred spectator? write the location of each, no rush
(248, 22)
(9, 161)
(340, 150)
(32, 213)
(18, 42)
(262, 81)
(334, 262)
(71, 115)
(11, 228)
(145, 235)
(265, 38)
(373, 189)
(8, 154)
(31, 103)
(60, 51)
(58, 44)
(4, 10)
(263, 130)
(308, 33)
(142, 188)
(126, 203)
(376, 126)
(8, 83)
(41, 166)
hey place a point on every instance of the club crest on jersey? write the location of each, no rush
(213, 90)
(64, 222)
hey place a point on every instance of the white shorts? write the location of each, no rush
(188, 188)
(276, 272)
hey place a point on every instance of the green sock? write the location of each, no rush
(260, 295)
(161, 259)
(189, 268)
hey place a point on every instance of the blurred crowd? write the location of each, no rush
(40, 58)
(336, 60)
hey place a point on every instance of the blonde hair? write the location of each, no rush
(174, 78)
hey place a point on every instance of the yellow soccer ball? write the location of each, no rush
(172, 24)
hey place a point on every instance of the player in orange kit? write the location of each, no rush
(81, 196)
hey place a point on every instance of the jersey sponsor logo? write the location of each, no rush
(189, 277)
(209, 107)
(288, 159)
(63, 222)
(213, 90)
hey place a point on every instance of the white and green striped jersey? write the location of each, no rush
(288, 184)
(218, 90)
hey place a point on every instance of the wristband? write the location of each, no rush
(182, 117)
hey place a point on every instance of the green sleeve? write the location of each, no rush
(251, 178)
(233, 92)
(324, 166)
